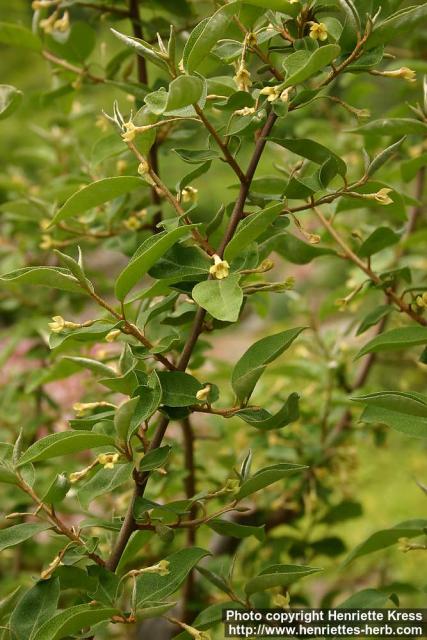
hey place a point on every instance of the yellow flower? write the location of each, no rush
(45, 575)
(203, 394)
(47, 242)
(101, 123)
(108, 460)
(189, 194)
(282, 601)
(112, 335)
(130, 133)
(47, 25)
(57, 325)
(420, 302)
(220, 269)
(62, 24)
(243, 78)
(382, 196)
(78, 475)
(121, 166)
(84, 408)
(143, 168)
(404, 72)
(404, 545)
(318, 31)
(272, 93)
(132, 223)
(161, 569)
(246, 111)
(284, 96)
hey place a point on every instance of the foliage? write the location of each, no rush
(181, 435)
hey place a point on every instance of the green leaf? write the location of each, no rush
(12, 536)
(278, 575)
(183, 92)
(147, 255)
(250, 229)
(405, 412)
(372, 318)
(365, 599)
(379, 239)
(72, 620)
(64, 443)
(10, 99)
(392, 127)
(142, 48)
(18, 36)
(104, 482)
(57, 490)
(197, 156)
(387, 537)
(8, 603)
(300, 66)
(181, 263)
(153, 587)
(297, 251)
(397, 25)
(395, 339)
(35, 607)
(178, 388)
(254, 361)
(221, 298)
(97, 367)
(383, 157)
(311, 150)
(235, 530)
(123, 418)
(264, 477)
(155, 459)
(150, 397)
(261, 419)
(97, 193)
(206, 35)
(53, 277)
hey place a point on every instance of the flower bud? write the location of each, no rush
(404, 72)
(272, 93)
(203, 394)
(143, 168)
(46, 574)
(57, 325)
(130, 131)
(189, 194)
(112, 335)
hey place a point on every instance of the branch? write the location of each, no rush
(129, 524)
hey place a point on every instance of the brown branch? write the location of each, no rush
(228, 156)
(80, 71)
(129, 524)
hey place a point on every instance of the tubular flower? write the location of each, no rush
(112, 335)
(47, 242)
(143, 168)
(404, 72)
(243, 78)
(189, 194)
(108, 460)
(318, 31)
(161, 568)
(246, 111)
(272, 93)
(130, 131)
(203, 394)
(382, 196)
(62, 24)
(220, 269)
(56, 562)
(78, 475)
(59, 324)
(84, 408)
